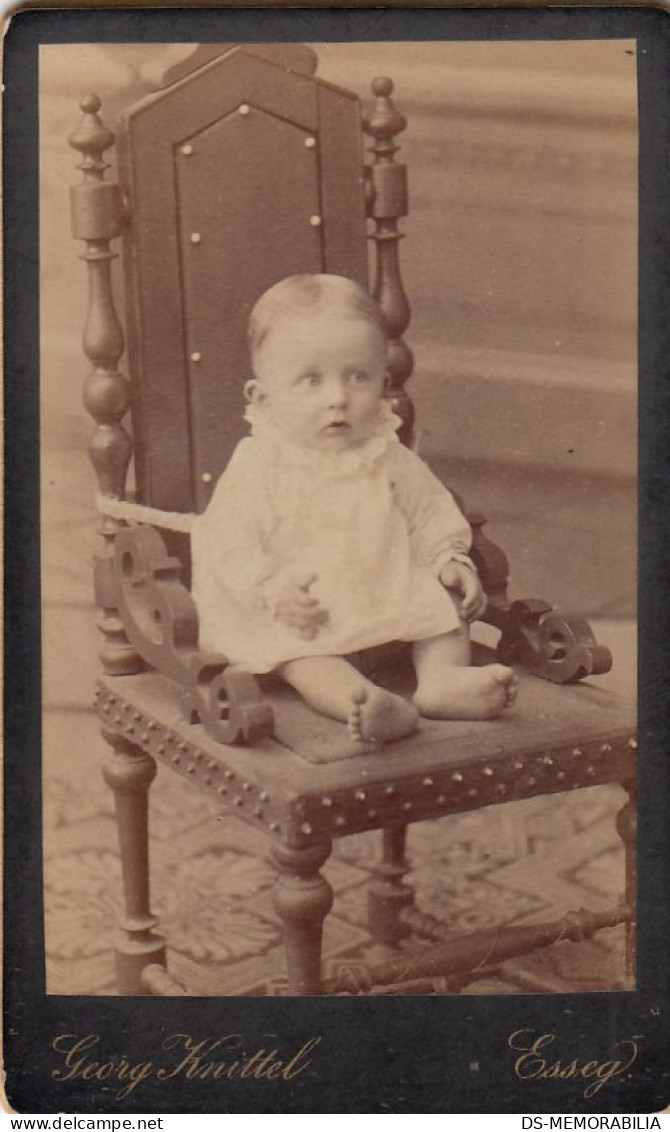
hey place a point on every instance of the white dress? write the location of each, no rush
(372, 523)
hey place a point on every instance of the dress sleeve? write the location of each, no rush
(439, 532)
(230, 540)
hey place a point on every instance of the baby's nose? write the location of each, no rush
(337, 392)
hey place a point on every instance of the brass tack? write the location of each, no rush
(632, 743)
(306, 828)
(606, 748)
(274, 826)
(501, 788)
(258, 811)
(145, 737)
(360, 795)
(487, 772)
(547, 761)
(310, 143)
(590, 770)
(222, 789)
(326, 801)
(190, 769)
(106, 708)
(246, 786)
(138, 716)
(212, 764)
(206, 477)
(428, 782)
(196, 356)
(161, 748)
(372, 814)
(340, 821)
(473, 792)
(518, 765)
(196, 238)
(457, 777)
(441, 800)
(111, 698)
(151, 725)
(561, 774)
(576, 751)
(390, 791)
(531, 780)
(187, 150)
(264, 796)
(208, 780)
(228, 774)
(237, 801)
(315, 221)
(183, 746)
(176, 760)
(244, 109)
(407, 806)
(129, 728)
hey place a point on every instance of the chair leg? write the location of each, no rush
(302, 900)
(626, 824)
(389, 894)
(130, 772)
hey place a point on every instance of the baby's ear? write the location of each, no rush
(254, 392)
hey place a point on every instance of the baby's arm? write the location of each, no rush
(439, 532)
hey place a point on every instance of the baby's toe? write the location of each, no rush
(355, 719)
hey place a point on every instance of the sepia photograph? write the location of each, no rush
(339, 449)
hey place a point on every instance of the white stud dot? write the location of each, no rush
(315, 221)
(195, 356)
(310, 143)
(206, 477)
(187, 150)
(244, 109)
(195, 237)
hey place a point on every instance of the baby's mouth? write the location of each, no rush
(337, 426)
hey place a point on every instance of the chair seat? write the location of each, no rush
(556, 738)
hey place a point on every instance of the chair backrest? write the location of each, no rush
(241, 173)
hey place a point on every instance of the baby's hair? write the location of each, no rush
(299, 294)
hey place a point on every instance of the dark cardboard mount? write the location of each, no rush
(376, 1055)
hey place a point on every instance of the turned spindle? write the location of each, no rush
(96, 220)
(129, 772)
(626, 824)
(302, 900)
(389, 895)
(386, 199)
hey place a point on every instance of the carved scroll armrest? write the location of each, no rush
(161, 622)
(557, 647)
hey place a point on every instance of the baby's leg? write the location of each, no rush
(332, 686)
(448, 688)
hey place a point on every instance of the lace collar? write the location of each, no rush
(346, 462)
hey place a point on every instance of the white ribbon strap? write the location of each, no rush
(138, 513)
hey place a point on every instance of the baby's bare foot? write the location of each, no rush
(379, 717)
(468, 693)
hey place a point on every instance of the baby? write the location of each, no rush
(325, 535)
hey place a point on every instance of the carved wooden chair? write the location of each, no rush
(239, 173)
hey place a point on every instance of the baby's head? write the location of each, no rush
(318, 349)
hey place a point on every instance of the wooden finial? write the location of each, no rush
(386, 201)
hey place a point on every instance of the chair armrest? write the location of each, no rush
(161, 621)
(555, 646)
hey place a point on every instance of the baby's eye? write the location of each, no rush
(359, 376)
(309, 379)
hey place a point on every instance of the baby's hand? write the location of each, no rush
(295, 608)
(457, 576)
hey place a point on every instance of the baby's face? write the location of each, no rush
(322, 376)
